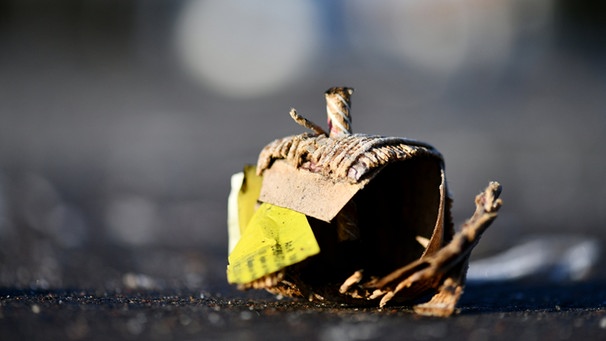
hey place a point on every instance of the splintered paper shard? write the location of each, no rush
(352, 218)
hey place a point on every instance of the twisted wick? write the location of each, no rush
(338, 106)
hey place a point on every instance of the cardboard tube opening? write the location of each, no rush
(400, 204)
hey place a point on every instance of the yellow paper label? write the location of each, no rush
(242, 202)
(248, 195)
(275, 238)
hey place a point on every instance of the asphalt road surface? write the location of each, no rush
(521, 310)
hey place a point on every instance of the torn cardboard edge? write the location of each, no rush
(303, 191)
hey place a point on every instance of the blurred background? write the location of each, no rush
(121, 122)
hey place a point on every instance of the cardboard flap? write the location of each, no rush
(437, 238)
(306, 192)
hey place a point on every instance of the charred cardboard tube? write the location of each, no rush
(379, 210)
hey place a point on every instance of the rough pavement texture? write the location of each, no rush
(497, 312)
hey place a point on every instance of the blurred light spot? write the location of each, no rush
(578, 261)
(559, 258)
(38, 198)
(68, 226)
(136, 325)
(434, 331)
(78, 329)
(36, 309)
(131, 219)
(438, 36)
(44, 209)
(135, 281)
(247, 48)
(215, 319)
(348, 331)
